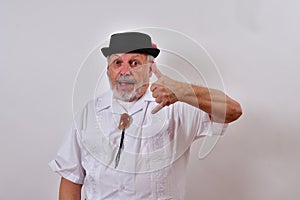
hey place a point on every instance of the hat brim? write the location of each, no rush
(106, 51)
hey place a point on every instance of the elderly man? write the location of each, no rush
(133, 141)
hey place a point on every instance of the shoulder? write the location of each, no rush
(87, 114)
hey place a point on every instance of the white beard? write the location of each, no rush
(124, 96)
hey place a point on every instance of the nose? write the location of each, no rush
(125, 69)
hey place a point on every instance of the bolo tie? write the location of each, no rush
(123, 124)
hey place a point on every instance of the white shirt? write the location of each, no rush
(154, 158)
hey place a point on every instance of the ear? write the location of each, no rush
(150, 68)
(152, 65)
(107, 71)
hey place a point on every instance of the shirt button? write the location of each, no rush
(122, 187)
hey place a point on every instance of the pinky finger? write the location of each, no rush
(157, 108)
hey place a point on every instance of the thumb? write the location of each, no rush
(155, 70)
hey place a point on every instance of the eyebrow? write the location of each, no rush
(136, 56)
(114, 55)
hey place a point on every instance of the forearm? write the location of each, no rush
(69, 190)
(217, 104)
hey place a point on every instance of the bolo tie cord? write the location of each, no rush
(124, 123)
(120, 149)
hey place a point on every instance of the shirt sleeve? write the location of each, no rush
(209, 128)
(197, 122)
(68, 159)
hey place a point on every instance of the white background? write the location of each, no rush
(255, 44)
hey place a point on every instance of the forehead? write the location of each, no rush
(127, 56)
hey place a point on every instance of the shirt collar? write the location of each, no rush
(147, 96)
(104, 101)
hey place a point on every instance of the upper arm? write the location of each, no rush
(69, 190)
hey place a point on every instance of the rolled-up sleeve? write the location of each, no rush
(68, 159)
(210, 128)
(197, 122)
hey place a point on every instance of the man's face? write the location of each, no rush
(129, 75)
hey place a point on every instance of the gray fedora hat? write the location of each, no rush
(130, 42)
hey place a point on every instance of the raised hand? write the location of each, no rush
(163, 90)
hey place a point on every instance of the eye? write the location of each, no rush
(117, 62)
(134, 63)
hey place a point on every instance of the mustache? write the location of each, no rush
(125, 79)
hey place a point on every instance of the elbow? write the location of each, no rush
(234, 113)
(237, 111)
